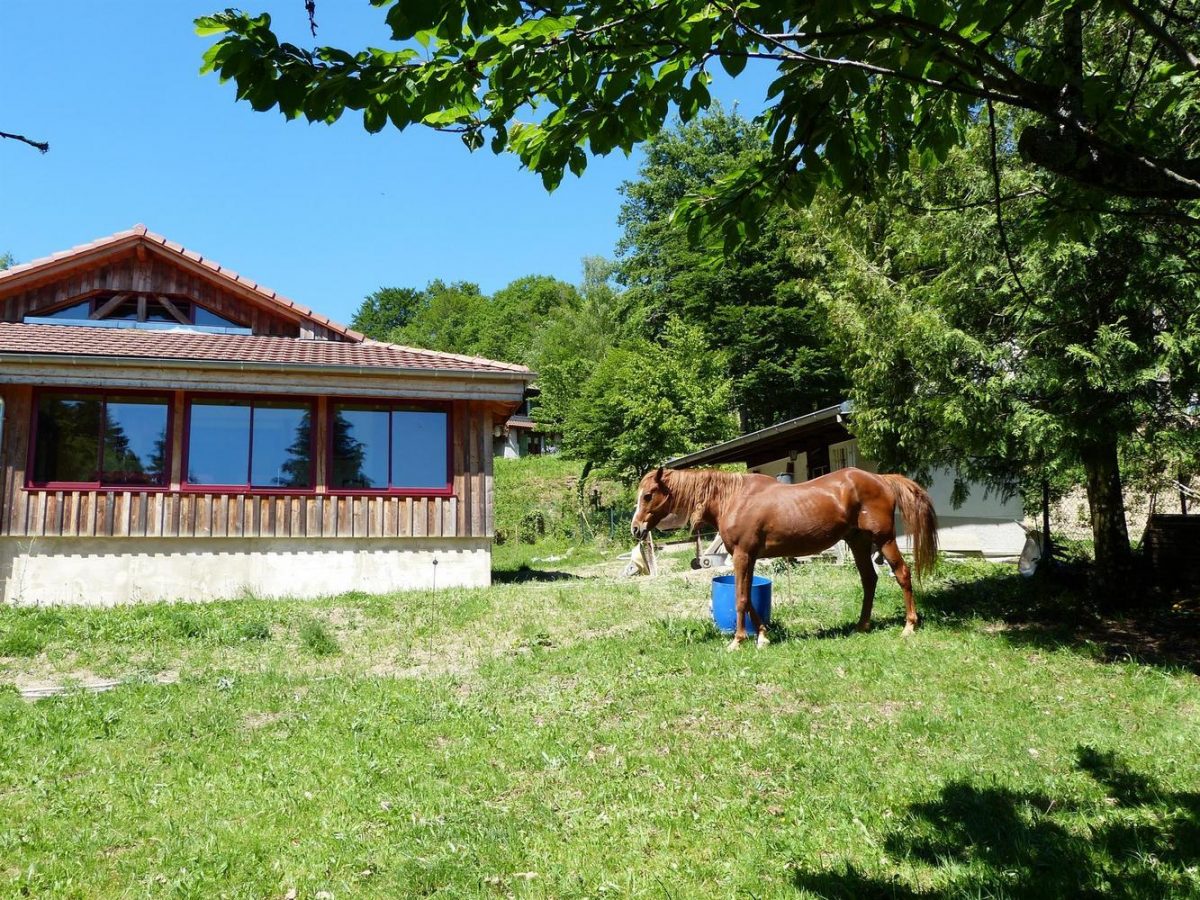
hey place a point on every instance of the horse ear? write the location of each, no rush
(658, 475)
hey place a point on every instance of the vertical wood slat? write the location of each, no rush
(489, 524)
(458, 430)
(18, 415)
(476, 495)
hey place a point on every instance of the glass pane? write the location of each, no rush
(67, 443)
(202, 316)
(157, 312)
(126, 309)
(360, 447)
(218, 442)
(135, 441)
(76, 311)
(418, 449)
(282, 446)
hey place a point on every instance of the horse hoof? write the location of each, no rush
(733, 645)
(909, 629)
(762, 641)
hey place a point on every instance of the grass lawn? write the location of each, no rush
(569, 734)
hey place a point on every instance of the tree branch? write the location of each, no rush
(42, 146)
(998, 201)
(1156, 30)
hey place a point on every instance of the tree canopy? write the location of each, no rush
(1081, 351)
(1109, 88)
(758, 306)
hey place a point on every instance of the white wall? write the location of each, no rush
(103, 572)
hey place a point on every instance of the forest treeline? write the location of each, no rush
(980, 314)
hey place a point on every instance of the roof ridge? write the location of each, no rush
(140, 233)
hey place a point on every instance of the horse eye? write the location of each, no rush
(648, 497)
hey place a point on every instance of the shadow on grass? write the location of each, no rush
(780, 632)
(1059, 611)
(526, 574)
(1140, 840)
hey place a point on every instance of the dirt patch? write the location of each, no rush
(255, 721)
(37, 688)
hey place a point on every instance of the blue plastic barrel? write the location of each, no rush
(724, 602)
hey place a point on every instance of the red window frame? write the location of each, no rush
(188, 487)
(99, 485)
(392, 404)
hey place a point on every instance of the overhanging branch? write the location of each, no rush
(41, 146)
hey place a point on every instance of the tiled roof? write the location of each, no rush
(81, 340)
(139, 234)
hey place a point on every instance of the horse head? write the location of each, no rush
(655, 507)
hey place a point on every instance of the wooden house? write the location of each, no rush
(984, 525)
(173, 430)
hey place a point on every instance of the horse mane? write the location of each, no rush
(696, 490)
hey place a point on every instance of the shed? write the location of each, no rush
(174, 430)
(986, 525)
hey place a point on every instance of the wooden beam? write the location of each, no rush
(113, 302)
(173, 310)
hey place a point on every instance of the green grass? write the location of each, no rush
(564, 736)
(315, 635)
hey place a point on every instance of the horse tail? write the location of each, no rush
(920, 521)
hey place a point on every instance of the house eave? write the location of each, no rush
(259, 375)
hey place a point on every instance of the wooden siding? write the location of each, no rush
(192, 514)
(154, 275)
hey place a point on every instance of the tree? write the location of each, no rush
(515, 313)
(386, 310)
(756, 302)
(644, 402)
(571, 342)
(1018, 355)
(1109, 88)
(449, 318)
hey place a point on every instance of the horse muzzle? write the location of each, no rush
(638, 531)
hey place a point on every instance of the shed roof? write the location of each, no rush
(780, 438)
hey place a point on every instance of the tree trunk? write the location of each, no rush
(1114, 559)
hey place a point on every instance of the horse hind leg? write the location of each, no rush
(861, 546)
(891, 552)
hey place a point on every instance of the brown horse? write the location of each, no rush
(757, 517)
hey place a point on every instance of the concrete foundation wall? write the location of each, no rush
(104, 572)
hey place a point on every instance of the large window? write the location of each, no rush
(250, 443)
(93, 440)
(155, 309)
(388, 447)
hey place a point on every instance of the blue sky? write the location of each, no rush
(322, 215)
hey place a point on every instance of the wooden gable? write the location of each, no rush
(138, 264)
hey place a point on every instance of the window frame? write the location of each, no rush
(99, 485)
(93, 298)
(247, 489)
(392, 404)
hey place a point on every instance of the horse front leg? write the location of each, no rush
(743, 574)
